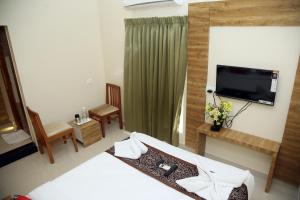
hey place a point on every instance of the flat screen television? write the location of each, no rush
(255, 85)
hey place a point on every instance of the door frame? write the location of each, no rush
(16, 76)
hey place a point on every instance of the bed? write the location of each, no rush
(107, 177)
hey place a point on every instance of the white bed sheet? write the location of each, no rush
(106, 177)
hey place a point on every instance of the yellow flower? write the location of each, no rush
(227, 106)
(207, 107)
(219, 113)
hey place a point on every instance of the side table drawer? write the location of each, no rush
(91, 140)
(92, 130)
(88, 133)
(91, 136)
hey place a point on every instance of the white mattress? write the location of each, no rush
(106, 177)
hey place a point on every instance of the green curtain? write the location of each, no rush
(154, 75)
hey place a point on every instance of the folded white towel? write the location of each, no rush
(131, 148)
(214, 183)
(140, 145)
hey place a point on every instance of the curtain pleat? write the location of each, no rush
(154, 75)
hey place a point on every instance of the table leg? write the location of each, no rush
(201, 140)
(271, 172)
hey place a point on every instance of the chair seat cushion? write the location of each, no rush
(56, 127)
(104, 109)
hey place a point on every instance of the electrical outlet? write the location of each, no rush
(89, 81)
(210, 88)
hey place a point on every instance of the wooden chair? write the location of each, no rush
(50, 132)
(112, 108)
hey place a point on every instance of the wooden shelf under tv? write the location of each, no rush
(253, 142)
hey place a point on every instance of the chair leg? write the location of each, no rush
(65, 139)
(50, 154)
(120, 120)
(103, 127)
(74, 141)
(41, 149)
(108, 120)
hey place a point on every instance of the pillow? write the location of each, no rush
(20, 197)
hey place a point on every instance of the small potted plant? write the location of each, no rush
(218, 113)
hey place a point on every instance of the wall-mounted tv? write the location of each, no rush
(255, 85)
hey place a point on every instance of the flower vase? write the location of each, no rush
(216, 127)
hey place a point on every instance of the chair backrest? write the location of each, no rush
(37, 124)
(113, 95)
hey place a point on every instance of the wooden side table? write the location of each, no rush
(255, 143)
(87, 133)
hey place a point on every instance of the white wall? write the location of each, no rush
(274, 48)
(57, 46)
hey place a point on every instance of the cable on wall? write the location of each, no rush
(230, 119)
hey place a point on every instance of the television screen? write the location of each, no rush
(256, 85)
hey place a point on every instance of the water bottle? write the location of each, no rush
(87, 114)
(83, 114)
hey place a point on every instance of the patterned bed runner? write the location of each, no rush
(147, 164)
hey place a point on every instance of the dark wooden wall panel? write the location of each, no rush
(197, 70)
(288, 162)
(236, 13)
(4, 118)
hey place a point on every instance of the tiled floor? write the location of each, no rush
(26, 174)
